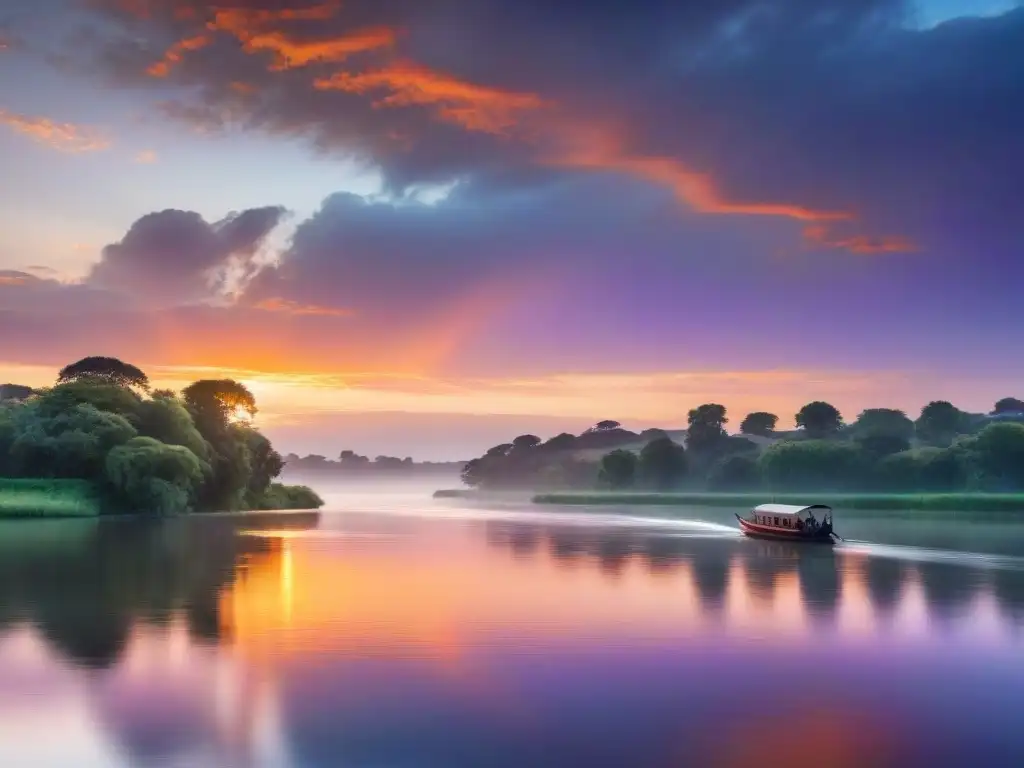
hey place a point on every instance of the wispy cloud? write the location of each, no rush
(474, 107)
(286, 307)
(65, 137)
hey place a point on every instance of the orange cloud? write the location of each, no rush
(12, 279)
(294, 308)
(289, 53)
(146, 157)
(475, 107)
(819, 235)
(175, 53)
(600, 151)
(66, 137)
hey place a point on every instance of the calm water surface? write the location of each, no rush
(401, 632)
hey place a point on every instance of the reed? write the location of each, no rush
(48, 498)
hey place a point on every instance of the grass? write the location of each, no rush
(939, 502)
(47, 498)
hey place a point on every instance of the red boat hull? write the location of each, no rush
(758, 531)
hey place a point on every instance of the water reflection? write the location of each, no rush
(401, 640)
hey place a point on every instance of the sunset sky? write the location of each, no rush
(421, 227)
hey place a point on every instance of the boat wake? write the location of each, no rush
(674, 526)
(928, 555)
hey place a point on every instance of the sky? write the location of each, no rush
(420, 228)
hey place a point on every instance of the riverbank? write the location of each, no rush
(937, 502)
(48, 498)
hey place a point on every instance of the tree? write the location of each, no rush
(662, 463)
(525, 442)
(215, 401)
(923, 469)
(1009, 405)
(738, 471)
(812, 464)
(706, 427)
(71, 444)
(878, 444)
(562, 442)
(888, 422)
(99, 393)
(604, 426)
(166, 419)
(351, 459)
(150, 476)
(499, 450)
(940, 422)
(996, 457)
(264, 463)
(108, 369)
(618, 469)
(819, 419)
(472, 473)
(759, 423)
(15, 392)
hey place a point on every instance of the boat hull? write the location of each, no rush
(757, 531)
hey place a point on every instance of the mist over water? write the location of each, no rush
(395, 629)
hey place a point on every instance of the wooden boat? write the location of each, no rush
(789, 522)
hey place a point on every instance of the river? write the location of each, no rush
(397, 631)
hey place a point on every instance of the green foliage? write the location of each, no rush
(819, 419)
(107, 369)
(662, 463)
(279, 496)
(878, 444)
(166, 419)
(995, 457)
(69, 444)
(100, 394)
(737, 471)
(153, 477)
(923, 469)
(888, 422)
(817, 464)
(48, 498)
(618, 469)
(940, 422)
(264, 463)
(759, 423)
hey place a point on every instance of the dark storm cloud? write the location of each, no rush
(174, 257)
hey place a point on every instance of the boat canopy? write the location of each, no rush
(791, 510)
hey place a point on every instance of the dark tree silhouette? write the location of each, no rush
(218, 399)
(819, 419)
(108, 369)
(759, 423)
(662, 463)
(604, 426)
(525, 442)
(707, 427)
(15, 392)
(1009, 405)
(618, 469)
(940, 421)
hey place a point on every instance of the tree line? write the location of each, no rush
(145, 450)
(883, 449)
(350, 462)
